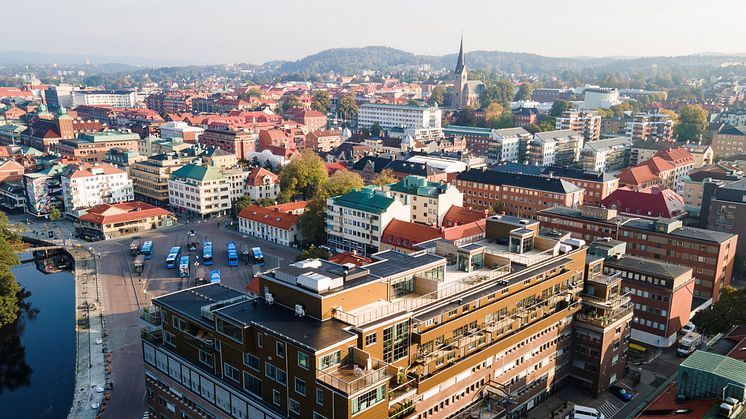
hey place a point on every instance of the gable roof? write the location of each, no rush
(408, 234)
(541, 183)
(257, 174)
(651, 202)
(122, 212)
(269, 216)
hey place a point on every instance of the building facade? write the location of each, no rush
(398, 116)
(87, 185)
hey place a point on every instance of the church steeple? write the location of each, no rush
(460, 62)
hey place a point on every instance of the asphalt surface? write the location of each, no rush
(124, 292)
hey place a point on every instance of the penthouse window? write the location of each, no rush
(228, 329)
(328, 361)
(366, 400)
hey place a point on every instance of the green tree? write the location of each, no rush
(10, 290)
(560, 106)
(347, 107)
(239, 204)
(492, 112)
(313, 252)
(291, 101)
(525, 91)
(384, 178)
(321, 101)
(501, 93)
(721, 316)
(303, 175)
(692, 122)
(55, 214)
(437, 96)
(547, 124)
(375, 129)
(252, 92)
(313, 220)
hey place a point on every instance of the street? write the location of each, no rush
(124, 293)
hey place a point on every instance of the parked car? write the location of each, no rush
(620, 393)
(688, 328)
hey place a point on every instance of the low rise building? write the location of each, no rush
(262, 184)
(429, 201)
(111, 221)
(241, 142)
(729, 141)
(181, 130)
(277, 224)
(646, 203)
(323, 140)
(92, 148)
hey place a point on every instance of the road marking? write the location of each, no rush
(609, 409)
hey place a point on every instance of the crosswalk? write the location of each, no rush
(609, 409)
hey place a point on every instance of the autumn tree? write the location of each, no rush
(313, 220)
(438, 95)
(525, 91)
(304, 175)
(692, 122)
(384, 178)
(321, 101)
(291, 101)
(347, 107)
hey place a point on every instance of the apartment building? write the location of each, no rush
(181, 130)
(650, 127)
(400, 336)
(277, 224)
(710, 253)
(201, 191)
(262, 184)
(323, 140)
(478, 140)
(703, 154)
(554, 148)
(606, 155)
(645, 150)
(356, 220)
(430, 201)
(585, 123)
(241, 142)
(150, 178)
(86, 185)
(92, 148)
(398, 116)
(507, 145)
(660, 291)
(115, 98)
(516, 194)
(729, 141)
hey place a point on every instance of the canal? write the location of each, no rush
(37, 353)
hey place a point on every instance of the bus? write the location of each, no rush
(215, 276)
(173, 257)
(184, 267)
(258, 256)
(232, 254)
(147, 249)
(207, 253)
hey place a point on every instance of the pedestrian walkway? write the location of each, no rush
(609, 409)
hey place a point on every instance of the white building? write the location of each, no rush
(87, 185)
(262, 184)
(115, 99)
(356, 220)
(398, 116)
(201, 190)
(446, 165)
(554, 148)
(430, 201)
(277, 224)
(608, 154)
(506, 145)
(601, 97)
(182, 130)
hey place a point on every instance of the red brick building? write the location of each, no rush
(314, 120)
(238, 141)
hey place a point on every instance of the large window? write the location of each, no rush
(251, 361)
(303, 360)
(330, 360)
(403, 286)
(252, 384)
(231, 372)
(368, 399)
(232, 331)
(396, 342)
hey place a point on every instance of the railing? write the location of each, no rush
(153, 335)
(412, 303)
(151, 315)
(603, 321)
(205, 343)
(369, 377)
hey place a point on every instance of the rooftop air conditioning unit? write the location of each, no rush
(269, 298)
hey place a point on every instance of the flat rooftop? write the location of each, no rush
(189, 302)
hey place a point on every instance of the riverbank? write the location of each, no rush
(92, 369)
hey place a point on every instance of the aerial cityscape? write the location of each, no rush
(312, 211)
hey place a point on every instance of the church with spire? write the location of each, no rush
(465, 92)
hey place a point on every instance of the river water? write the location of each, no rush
(37, 354)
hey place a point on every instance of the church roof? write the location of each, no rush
(460, 62)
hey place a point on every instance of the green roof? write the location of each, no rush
(200, 173)
(460, 129)
(365, 200)
(722, 366)
(417, 185)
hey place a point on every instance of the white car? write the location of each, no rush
(688, 328)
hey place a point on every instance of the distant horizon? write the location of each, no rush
(225, 31)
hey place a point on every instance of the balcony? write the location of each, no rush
(153, 335)
(200, 340)
(353, 376)
(151, 315)
(603, 319)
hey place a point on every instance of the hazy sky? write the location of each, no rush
(229, 31)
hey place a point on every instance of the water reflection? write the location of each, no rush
(14, 371)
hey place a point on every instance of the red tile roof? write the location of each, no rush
(126, 211)
(347, 257)
(269, 216)
(407, 234)
(679, 156)
(257, 175)
(290, 206)
(651, 202)
(459, 215)
(87, 169)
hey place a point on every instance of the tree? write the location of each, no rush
(321, 101)
(692, 122)
(313, 220)
(560, 106)
(547, 124)
(239, 204)
(55, 214)
(502, 93)
(437, 96)
(384, 178)
(303, 175)
(292, 101)
(347, 107)
(252, 92)
(525, 91)
(721, 316)
(492, 112)
(10, 290)
(375, 129)
(342, 182)
(313, 252)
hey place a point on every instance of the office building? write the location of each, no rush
(398, 116)
(115, 98)
(86, 185)
(429, 201)
(92, 148)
